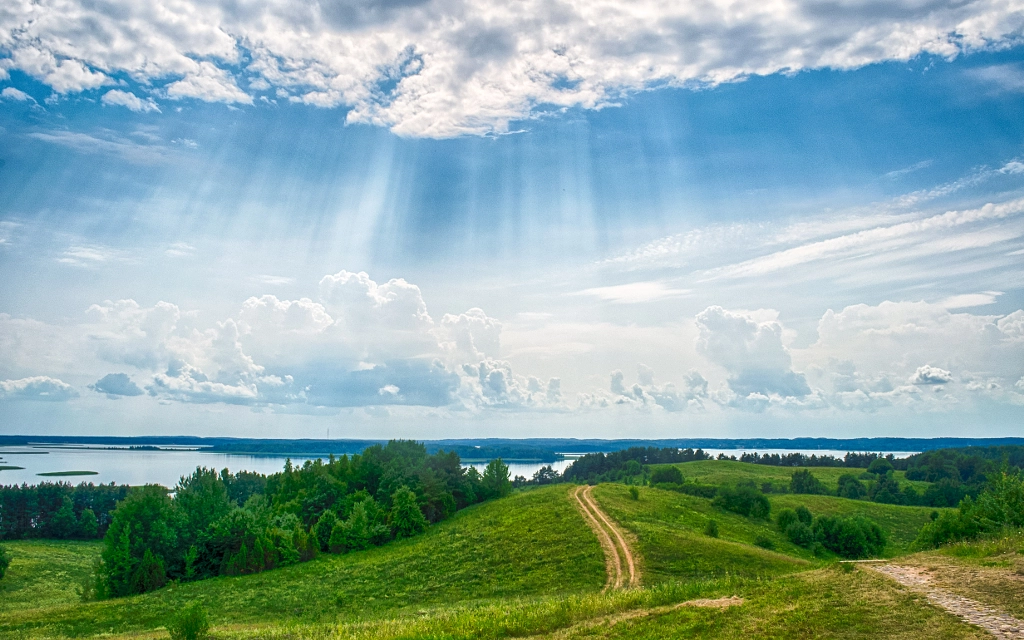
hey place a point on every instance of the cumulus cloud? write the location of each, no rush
(646, 395)
(116, 385)
(129, 100)
(471, 335)
(750, 349)
(931, 375)
(37, 388)
(440, 68)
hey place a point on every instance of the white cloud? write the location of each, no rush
(441, 68)
(85, 143)
(10, 93)
(635, 292)
(882, 239)
(129, 100)
(471, 335)
(751, 350)
(927, 374)
(180, 250)
(210, 83)
(966, 300)
(37, 388)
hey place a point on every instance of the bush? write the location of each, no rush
(803, 514)
(711, 530)
(667, 474)
(852, 538)
(191, 623)
(800, 534)
(764, 542)
(803, 481)
(5, 561)
(785, 518)
(744, 500)
(1001, 504)
(850, 487)
(634, 493)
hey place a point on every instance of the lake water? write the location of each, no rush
(125, 466)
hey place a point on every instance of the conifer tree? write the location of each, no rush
(406, 519)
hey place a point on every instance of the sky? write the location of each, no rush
(452, 218)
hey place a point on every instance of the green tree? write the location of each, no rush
(144, 521)
(202, 499)
(711, 529)
(88, 526)
(850, 487)
(803, 514)
(63, 524)
(803, 481)
(323, 528)
(880, 466)
(149, 574)
(496, 482)
(405, 518)
(5, 561)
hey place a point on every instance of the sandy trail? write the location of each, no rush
(619, 557)
(995, 622)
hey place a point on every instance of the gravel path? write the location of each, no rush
(995, 622)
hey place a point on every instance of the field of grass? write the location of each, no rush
(732, 472)
(669, 528)
(45, 573)
(532, 543)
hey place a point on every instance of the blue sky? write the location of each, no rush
(442, 219)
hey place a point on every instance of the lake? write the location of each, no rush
(135, 467)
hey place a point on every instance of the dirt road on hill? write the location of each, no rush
(620, 560)
(916, 579)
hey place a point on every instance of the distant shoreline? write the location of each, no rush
(525, 449)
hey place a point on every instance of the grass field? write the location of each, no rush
(528, 565)
(531, 543)
(732, 472)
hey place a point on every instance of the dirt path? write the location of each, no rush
(916, 579)
(619, 557)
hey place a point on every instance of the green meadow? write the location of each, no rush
(528, 565)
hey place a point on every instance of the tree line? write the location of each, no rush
(214, 524)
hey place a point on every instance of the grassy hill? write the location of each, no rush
(528, 565)
(529, 544)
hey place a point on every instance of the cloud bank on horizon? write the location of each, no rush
(444, 68)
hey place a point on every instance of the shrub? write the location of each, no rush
(711, 530)
(634, 493)
(852, 538)
(744, 500)
(191, 623)
(1000, 504)
(850, 487)
(764, 542)
(803, 514)
(5, 561)
(800, 534)
(785, 518)
(803, 481)
(667, 474)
